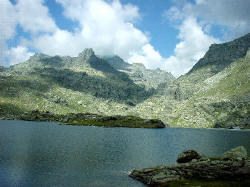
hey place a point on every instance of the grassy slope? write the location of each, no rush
(223, 97)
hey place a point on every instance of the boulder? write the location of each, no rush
(187, 156)
(238, 153)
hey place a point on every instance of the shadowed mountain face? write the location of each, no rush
(216, 92)
(220, 56)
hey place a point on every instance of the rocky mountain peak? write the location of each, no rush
(220, 56)
(138, 66)
(86, 54)
(39, 56)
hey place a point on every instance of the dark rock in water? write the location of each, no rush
(187, 156)
(232, 165)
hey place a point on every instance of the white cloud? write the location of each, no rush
(33, 16)
(8, 19)
(60, 42)
(148, 56)
(192, 46)
(173, 14)
(198, 2)
(99, 9)
(234, 15)
(18, 54)
(106, 27)
(7, 26)
(230, 13)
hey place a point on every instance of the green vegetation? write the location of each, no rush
(87, 119)
(119, 121)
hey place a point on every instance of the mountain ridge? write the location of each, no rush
(215, 92)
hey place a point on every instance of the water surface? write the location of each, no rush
(41, 153)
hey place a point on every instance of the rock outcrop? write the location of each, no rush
(187, 156)
(238, 153)
(219, 56)
(232, 165)
(87, 119)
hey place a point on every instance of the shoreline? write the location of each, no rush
(106, 126)
(87, 119)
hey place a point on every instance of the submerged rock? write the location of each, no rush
(232, 165)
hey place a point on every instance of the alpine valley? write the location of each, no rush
(214, 93)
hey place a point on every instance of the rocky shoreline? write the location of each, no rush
(230, 169)
(88, 119)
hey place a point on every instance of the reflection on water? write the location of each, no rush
(33, 153)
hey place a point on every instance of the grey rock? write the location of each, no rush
(204, 169)
(187, 156)
(220, 56)
(86, 54)
(238, 153)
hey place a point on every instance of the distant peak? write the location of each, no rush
(86, 53)
(139, 65)
(39, 56)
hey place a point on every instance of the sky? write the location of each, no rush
(168, 34)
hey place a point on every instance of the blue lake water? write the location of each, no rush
(47, 154)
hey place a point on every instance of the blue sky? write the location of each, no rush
(168, 34)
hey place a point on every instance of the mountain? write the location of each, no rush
(214, 93)
(220, 56)
(86, 83)
(139, 74)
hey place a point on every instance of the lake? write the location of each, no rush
(41, 153)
